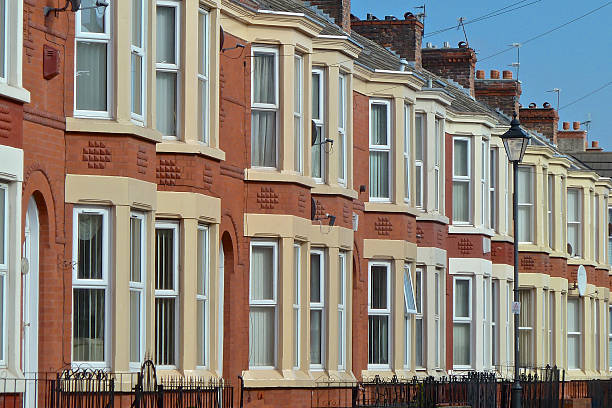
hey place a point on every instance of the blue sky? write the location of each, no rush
(576, 58)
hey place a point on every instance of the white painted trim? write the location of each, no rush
(320, 306)
(320, 123)
(140, 287)
(382, 148)
(381, 312)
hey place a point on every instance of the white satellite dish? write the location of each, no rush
(582, 280)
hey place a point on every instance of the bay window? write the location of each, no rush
(203, 74)
(342, 311)
(298, 114)
(90, 309)
(525, 203)
(138, 60)
(379, 315)
(526, 331)
(166, 293)
(137, 289)
(342, 146)
(264, 107)
(462, 322)
(409, 308)
(92, 71)
(493, 203)
(168, 67)
(317, 309)
(380, 150)
(419, 150)
(418, 317)
(318, 118)
(263, 304)
(574, 222)
(297, 269)
(202, 299)
(574, 339)
(407, 161)
(461, 181)
(549, 210)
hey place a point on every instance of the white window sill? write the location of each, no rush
(13, 92)
(470, 229)
(193, 147)
(98, 125)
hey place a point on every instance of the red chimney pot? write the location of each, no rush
(494, 74)
(576, 125)
(507, 74)
(480, 74)
(566, 125)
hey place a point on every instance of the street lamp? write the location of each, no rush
(515, 141)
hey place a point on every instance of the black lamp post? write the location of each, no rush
(515, 141)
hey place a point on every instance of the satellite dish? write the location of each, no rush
(582, 280)
(313, 133)
(221, 37)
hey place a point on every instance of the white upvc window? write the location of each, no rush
(203, 75)
(298, 115)
(93, 67)
(407, 161)
(484, 184)
(202, 296)
(544, 333)
(342, 311)
(462, 196)
(297, 273)
(526, 328)
(494, 323)
(462, 322)
(4, 262)
(138, 60)
(493, 201)
(610, 338)
(574, 333)
(549, 209)
(138, 279)
(263, 304)
(419, 153)
(486, 323)
(166, 293)
(342, 143)
(3, 41)
(551, 327)
(380, 150)
(90, 282)
(596, 226)
(438, 144)
(379, 315)
(609, 230)
(507, 197)
(318, 118)
(509, 317)
(574, 222)
(436, 316)
(525, 195)
(418, 319)
(595, 324)
(317, 309)
(168, 67)
(264, 107)
(410, 308)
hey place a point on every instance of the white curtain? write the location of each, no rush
(461, 154)
(91, 76)
(461, 201)
(262, 273)
(461, 344)
(88, 325)
(379, 174)
(166, 103)
(166, 35)
(261, 336)
(263, 138)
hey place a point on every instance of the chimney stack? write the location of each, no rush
(338, 10)
(544, 120)
(502, 94)
(574, 140)
(457, 64)
(402, 36)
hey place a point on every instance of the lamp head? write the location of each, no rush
(515, 141)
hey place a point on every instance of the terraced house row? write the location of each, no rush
(278, 190)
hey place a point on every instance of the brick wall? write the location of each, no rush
(339, 10)
(499, 93)
(457, 64)
(544, 120)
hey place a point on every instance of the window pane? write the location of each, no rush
(316, 332)
(317, 153)
(136, 84)
(340, 338)
(135, 318)
(315, 278)
(261, 336)
(2, 39)
(378, 288)
(91, 89)
(164, 259)
(525, 223)
(166, 103)
(203, 109)
(410, 304)
(88, 325)
(165, 326)
(461, 152)
(341, 97)
(573, 352)
(573, 315)
(462, 298)
(419, 342)
(202, 44)
(297, 89)
(135, 249)
(201, 335)
(2, 298)
(3, 226)
(573, 234)
(202, 262)
(92, 18)
(524, 188)
(166, 35)
(379, 174)
(461, 201)
(90, 246)
(262, 273)
(378, 127)
(264, 78)
(316, 96)
(378, 340)
(263, 138)
(418, 141)
(573, 205)
(341, 155)
(461, 344)
(137, 23)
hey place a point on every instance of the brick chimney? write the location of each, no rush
(574, 140)
(457, 64)
(402, 36)
(502, 94)
(544, 120)
(339, 10)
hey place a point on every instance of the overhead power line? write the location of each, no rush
(587, 95)
(549, 31)
(491, 14)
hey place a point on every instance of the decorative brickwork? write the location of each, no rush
(383, 226)
(267, 198)
(347, 214)
(420, 235)
(301, 202)
(527, 263)
(96, 155)
(168, 172)
(5, 121)
(142, 161)
(465, 246)
(207, 177)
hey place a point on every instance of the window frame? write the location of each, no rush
(342, 112)
(577, 252)
(319, 306)
(493, 199)
(140, 286)
(381, 312)
(577, 334)
(532, 327)
(4, 48)
(204, 297)
(609, 309)
(495, 335)
(102, 283)
(298, 114)
(485, 154)
(530, 205)
(486, 321)
(140, 52)
(104, 38)
(266, 303)
(342, 352)
(407, 150)
(550, 180)
(407, 316)
(204, 78)
(320, 124)
(175, 68)
(464, 179)
(388, 148)
(419, 277)
(462, 319)
(438, 146)
(297, 302)
(420, 135)
(4, 273)
(436, 316)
